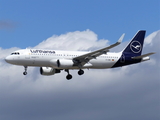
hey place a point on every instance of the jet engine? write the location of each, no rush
(48, 71)
(61, 63)
(64, 63)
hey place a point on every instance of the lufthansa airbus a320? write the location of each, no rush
(54, 61)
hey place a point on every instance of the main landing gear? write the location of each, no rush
(80, 72)
(25, 70)
(69, 76)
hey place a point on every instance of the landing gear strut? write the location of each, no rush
(25, 70)
(69, 76)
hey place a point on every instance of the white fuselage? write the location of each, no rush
(47, 58)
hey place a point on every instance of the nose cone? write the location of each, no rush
(8, 59)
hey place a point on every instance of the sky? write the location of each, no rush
(128, 93)
(27, 23)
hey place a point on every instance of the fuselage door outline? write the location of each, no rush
(122, 59)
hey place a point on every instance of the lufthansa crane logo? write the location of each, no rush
(135, 46)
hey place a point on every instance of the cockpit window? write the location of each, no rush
(15, 53)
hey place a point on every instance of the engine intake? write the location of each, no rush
(48, 71)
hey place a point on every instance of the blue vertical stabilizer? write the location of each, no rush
(134, 48)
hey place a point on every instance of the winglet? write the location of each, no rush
(121, 38)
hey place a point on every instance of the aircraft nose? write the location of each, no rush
(8, 59)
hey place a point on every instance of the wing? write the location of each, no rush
(83, 59)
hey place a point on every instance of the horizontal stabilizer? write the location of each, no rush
(142, 56)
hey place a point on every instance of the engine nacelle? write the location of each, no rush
(61, 63)
(48, 71)
(64, 63)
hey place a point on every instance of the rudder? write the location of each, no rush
(136, 45)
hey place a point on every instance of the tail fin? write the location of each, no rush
(134, 48)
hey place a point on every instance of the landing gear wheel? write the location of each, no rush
(69, 76)
(80, 72)
(24, 73)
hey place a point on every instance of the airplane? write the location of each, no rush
(54, 61)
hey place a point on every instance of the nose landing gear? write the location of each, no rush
(25, 70)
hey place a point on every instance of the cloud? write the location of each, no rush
(78, 40)
(4, 52)
(151, 38)
(130, 92)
